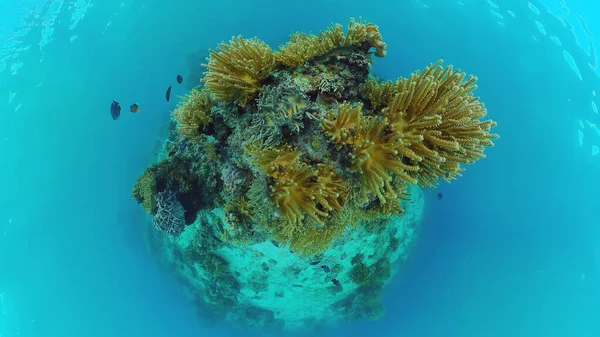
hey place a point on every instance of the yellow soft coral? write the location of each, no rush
(434, 118)
(273, 160)
(236, 70)
(377, 94)
(302, 47)
(193, 113)
(307, 197)
(375, 157)
(375, 40)
(294, 192)
(341, 125)
(309, 200)
(373, 152)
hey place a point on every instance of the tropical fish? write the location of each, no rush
(182, 146)
(440, 196)
(326, 268)
(314, 263)
(115, 110)
(135, 107)
(168, 94)
(179, 79)
(336, 282)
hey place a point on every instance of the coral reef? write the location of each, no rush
(169, 217)
(300, 175)
(236, 70)
(193, 114)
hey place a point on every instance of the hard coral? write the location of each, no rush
(236, 70)
(193, 113)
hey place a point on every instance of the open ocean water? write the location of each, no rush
(513, 248)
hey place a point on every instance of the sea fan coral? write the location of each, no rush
(435, 120)
(302, 47)
(236, 70)
(193, 113)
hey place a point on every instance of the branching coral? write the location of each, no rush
(302, 47)
(434, 118)
(193, 113)
(236, 70)
(169, 217)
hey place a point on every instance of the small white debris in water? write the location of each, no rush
(595, 150)
(581, 124)
(580, 137)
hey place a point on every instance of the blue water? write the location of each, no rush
(513, 248)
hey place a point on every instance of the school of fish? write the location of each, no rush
(115, 107)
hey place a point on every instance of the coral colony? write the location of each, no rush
(294, 150)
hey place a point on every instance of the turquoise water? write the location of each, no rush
(513, 248)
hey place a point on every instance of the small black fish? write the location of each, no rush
(326, 268)
(172, 153)
(182, 146)
(447, 175)
(440, 196)
(168, 94)
(115, 110)
(275, 243)
(314, 263)
(336, 282)
(179, 79)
